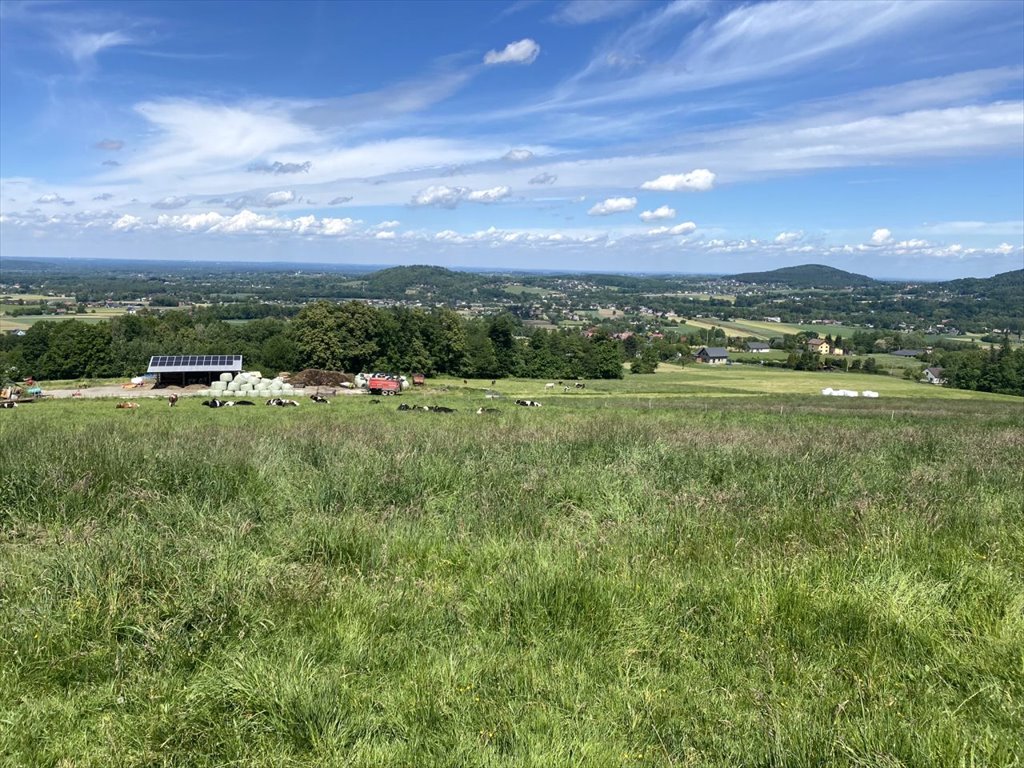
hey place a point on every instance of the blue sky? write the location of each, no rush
(882, 137)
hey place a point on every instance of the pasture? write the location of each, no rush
(684, 569)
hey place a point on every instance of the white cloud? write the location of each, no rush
(388, 235)
(685, 228)
(440, 195)
(392, 224)
(700, 179)
(664, 212)
(282, 197)
(881, 236)
(518, 155)
(544, 178)
(127, 223)
(170, 202)
(449, 197)
(786, 238)
(489, 195)
(1004, 248)
(613, 205)
(336, 226)
(53, 197)
(83, 46)
(590, 11)
(521, 52)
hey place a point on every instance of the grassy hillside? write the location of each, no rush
(627, 577)
(807, 276)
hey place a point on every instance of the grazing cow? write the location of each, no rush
(281, 401)
(319, 399)
(125, 404)
(481, 411)
(580, 385)
(549, 385)
(172, 399)
(528, 403)
(9, 404)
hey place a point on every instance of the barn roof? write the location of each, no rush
(185, 363)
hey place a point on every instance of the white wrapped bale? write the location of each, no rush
(226, 377)
(869, 393)
(218, 386)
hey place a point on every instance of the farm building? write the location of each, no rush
(757, 346)
(934, 376)
(182, 370)
(819, 346)
(711, 355)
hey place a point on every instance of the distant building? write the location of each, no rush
(934, 376)
(712, 355)
(819, 346)
(757, 346)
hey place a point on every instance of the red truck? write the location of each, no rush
(379, 385)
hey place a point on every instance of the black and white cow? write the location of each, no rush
(319, 399)
(9, 404)
(528, 403)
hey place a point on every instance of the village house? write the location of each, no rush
(934, 376)
(757, 346)
(819, 346)
(711, 355)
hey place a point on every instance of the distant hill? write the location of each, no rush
(1004, 284)
(406, 278)
(807, 276)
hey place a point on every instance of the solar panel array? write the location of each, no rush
(195, 362)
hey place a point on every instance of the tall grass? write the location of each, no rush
(600, 582)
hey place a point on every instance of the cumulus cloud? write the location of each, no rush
(491, 195)
(103, 196)
(544, 178)
(686, 228)
(53, 197)
(664, 212)
(336, 226)
(786, 238)
(613, 205)
(170, 203)
(699, 180)
(282, 197)
(278, 167)
(444, 196)
(520, 52)
(386, 235)
(340, 200)
(249, 222)
(111, 145)
(127, 223)
(881, 236)
(518, 155)
(392, 224)
(1004, 248)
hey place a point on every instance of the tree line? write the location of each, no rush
(351, 336)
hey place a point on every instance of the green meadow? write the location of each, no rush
(703, 567)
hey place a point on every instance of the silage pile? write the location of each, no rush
(315, 377)
(251, 384)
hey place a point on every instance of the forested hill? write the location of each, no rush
(1006, 285)
(807, 276)
(396, 280)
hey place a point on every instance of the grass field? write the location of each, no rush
(648, 573)
(26, 321)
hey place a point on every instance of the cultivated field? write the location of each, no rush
(638, 575)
